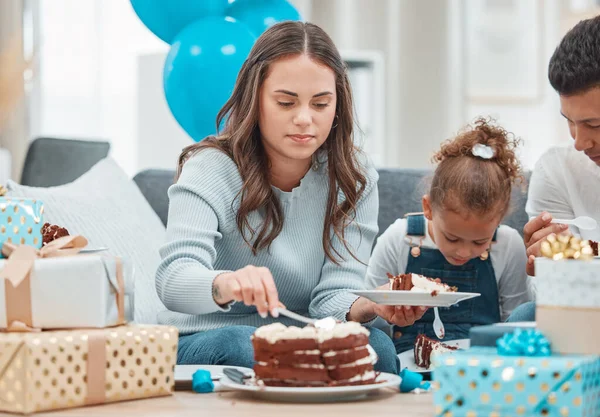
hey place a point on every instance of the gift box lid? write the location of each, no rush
(481, 381)
(489, 334)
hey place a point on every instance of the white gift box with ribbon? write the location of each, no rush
(56, 288)
(568, 304)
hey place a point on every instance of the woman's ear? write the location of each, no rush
(426, 207)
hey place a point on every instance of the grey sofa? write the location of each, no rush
(400, 192)
(53, 162)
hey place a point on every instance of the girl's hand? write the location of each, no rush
(364, 310)
(400, 315)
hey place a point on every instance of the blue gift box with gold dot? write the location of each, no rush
(480, 382)
(21, 221)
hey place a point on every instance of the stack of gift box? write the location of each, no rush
(65, 340)
(550, 369)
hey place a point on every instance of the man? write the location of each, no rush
(566, 181)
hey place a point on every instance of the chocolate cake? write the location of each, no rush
(594, 246)
(402, 282)
(51, 232)
(311, 357)
(425, 346)
(418, 283)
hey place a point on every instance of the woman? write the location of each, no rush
(276, 208)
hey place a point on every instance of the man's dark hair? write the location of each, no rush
(575, 64)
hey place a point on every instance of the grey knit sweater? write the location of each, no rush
(203, 240)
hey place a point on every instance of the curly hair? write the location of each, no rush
(463, 181)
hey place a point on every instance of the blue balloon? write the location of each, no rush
(201, 69)
(166, 18)
(259, 15)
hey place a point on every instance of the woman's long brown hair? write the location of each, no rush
(241, 138)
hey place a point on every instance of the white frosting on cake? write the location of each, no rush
(337, 352)
(364, 361)
(440, 348)
(367, 375)
(310, 366)
(342, 330)
(423, 284)
(275, 332)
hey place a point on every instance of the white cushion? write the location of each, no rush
(106, 207)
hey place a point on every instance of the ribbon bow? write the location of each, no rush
(16, 275)
(528, 342)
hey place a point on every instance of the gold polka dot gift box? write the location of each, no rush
(62, 369)
(567, 281)
(58, 288)
(21, 221)
(479, 382)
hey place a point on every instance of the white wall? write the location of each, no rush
(537, 122)
(160, 139)
(5, 166)
(425, 74)
(14, 125)
(90, 77)
(87, 87)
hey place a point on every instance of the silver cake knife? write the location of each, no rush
(327, 323)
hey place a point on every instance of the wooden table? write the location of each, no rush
(386, 402)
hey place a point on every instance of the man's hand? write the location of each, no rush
(535, 231)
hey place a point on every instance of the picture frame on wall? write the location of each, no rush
(503, 50)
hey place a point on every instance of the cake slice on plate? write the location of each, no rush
(418, 283)
(426, 347)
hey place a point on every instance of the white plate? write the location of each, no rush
(407, 359)
(413, 298)
(306, 394)
(92, 250)
(184, 373)
(518, 324)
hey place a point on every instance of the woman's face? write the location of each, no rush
(297, 108)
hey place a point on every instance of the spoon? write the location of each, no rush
(581, 222)
(438, 326)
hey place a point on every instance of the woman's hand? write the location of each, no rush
(253, 285)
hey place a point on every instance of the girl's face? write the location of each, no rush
(460, 237)
(297, 108)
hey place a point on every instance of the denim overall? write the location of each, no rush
(477, 275)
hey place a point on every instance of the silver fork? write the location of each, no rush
(327, 323)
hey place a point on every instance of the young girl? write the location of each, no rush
(459, 237)
(279, 206)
